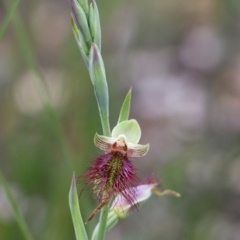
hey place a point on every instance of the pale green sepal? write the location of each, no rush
(98, 76)
(84, 5)
(125, 110)
(78, 224)
(81, 21)
(104, 143)
(129, 128)
(112, 220)
(137, 150)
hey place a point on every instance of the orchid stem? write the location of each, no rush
(87, 31)
(103, 222)
(104, 211)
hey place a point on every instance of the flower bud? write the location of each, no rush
(142, 193)
(81, 21)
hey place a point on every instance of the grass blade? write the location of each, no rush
(18, 214)
(8, 18)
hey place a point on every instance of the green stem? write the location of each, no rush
(105, 125)
(112, 220)
(104, 211)
(8, 19)
(18, 214)
(97, 74)
(103, 222)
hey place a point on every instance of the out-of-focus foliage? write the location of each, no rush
(182, 59)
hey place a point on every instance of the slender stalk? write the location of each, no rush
(112, 220)
(105, 126)
(98, 77)
(104, 211)
(87, 31)
(103, 222)
(8, 19)
(18, 214)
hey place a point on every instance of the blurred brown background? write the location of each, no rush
(182, 58)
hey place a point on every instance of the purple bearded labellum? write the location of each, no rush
(110, 175)
(113, 173)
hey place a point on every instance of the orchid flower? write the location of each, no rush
(113, 172)
(124, 139)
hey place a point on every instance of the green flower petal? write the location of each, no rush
(137, 150)
(104, 143)
(129, 128)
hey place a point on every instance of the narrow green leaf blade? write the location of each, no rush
(98, 76)
(78, 224)
(125, 110)
(17, 212)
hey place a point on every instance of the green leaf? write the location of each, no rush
(129, 128)
(78, 224)
(16, 210)
(125, 110)
(98, 76)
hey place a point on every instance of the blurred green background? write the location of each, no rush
(182, 58)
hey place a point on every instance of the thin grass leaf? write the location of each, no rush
(29, 56)
(8, 19)
(24, 42)
(17, 212)
(78, 224)
(125, 110)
